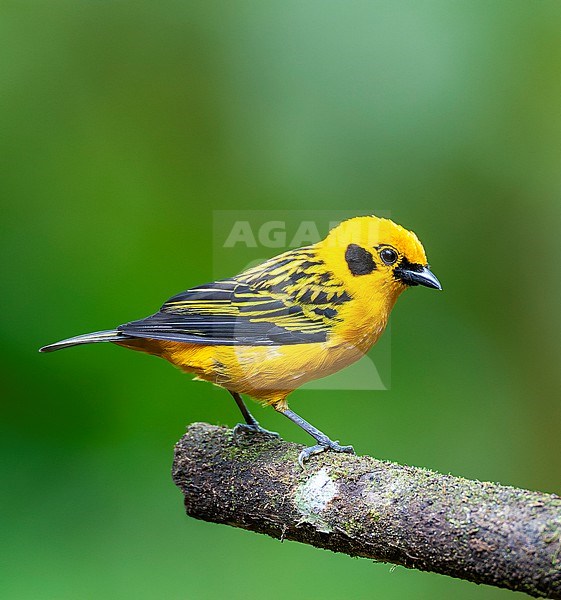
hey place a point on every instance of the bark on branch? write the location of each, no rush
(482, 532)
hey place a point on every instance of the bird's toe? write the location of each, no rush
(336, 447)
(318, 448)
(244, 428)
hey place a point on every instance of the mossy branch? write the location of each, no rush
(481, 532)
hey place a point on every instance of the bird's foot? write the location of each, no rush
(242, 428)
(327, 445)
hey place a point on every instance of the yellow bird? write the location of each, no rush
(296, 317)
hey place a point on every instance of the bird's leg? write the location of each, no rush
(251, 424)
(323, 442)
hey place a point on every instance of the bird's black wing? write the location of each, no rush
(290, 299)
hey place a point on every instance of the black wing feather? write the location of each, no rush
(216, 330)
(276, 303)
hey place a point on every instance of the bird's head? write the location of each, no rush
(371, 253)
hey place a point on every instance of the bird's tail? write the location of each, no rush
(89, 338)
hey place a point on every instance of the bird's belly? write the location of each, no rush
(263, 372)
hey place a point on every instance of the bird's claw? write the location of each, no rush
(242, 428)
(329, 445)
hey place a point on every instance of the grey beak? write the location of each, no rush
(417, 275)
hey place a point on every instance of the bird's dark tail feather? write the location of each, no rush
(89, 338)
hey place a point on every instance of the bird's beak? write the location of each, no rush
(417, 275)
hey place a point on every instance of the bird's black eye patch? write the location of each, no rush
(388, 256)
(359, 260)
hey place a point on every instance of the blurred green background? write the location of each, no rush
(125, 124)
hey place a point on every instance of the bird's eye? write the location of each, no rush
(388, 256)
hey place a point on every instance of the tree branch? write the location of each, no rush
(482, 532)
